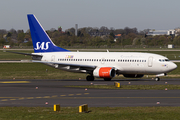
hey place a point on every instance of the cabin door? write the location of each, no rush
(150, 62)
(52, 58)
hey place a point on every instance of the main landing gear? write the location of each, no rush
(90, 78)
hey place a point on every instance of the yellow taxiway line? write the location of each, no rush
(14, 82)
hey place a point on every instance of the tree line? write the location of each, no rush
(129, 36)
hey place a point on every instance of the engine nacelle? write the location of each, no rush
(133, 75)
(104, 72)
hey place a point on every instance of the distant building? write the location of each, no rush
(6, 47)
(177, 30)
(171, 32)
(161, 32)
(60, 29)
(116, 37)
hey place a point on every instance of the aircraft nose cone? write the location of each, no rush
(173, 66)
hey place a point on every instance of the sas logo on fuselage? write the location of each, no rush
(41, 46)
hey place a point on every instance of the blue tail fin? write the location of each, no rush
(40, 39)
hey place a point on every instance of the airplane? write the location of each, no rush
(104, 65)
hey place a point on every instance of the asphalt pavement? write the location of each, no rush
(46, 93)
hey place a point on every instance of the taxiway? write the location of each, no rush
(46, 93)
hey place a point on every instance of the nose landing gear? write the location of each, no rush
(157, 78)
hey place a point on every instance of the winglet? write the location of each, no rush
(41, 41)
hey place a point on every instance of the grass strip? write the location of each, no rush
(132, 87)
(34, 71)
(96, 113)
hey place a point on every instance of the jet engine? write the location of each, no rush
(133, 75)
(104, 72)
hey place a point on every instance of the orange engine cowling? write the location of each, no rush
(104, 72)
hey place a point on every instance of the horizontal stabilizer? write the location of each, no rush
(29, 54)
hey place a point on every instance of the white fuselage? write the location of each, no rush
(123, 62)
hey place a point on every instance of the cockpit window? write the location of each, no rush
(164, 60)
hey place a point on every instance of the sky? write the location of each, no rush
(142, 14)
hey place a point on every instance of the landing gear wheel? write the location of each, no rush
(107, 79)
(90, 78)
(157, 78)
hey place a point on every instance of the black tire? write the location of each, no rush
(90, 78)
(157, 78)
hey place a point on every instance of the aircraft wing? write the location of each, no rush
(68, 66)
